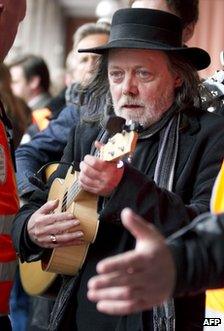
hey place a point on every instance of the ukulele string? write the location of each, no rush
(70, 196)
(74, 191)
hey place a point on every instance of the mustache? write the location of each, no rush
(130, 101)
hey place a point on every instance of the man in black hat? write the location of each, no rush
(152, 80)
(212, 95)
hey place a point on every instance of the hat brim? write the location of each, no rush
(199, 58)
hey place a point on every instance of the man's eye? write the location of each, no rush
(116, 75)
(143, 74)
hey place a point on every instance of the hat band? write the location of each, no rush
(145, 33)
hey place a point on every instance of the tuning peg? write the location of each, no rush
(129, 159)
(112, 141)
(120, 164)
(133, 126)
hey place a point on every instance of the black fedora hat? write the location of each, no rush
(138, 28)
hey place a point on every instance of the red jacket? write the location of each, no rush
(9, 205)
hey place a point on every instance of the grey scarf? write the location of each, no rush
(164, 315)
(168, 127)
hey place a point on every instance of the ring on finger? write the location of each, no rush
(53, 238)
(130, 271)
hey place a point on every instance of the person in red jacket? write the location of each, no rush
(11, 14)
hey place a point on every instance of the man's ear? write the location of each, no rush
(178, 81)
(188, 32)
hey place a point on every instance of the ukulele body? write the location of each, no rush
(69, 259)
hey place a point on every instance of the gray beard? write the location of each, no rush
(148, 114)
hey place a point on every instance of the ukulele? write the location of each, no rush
(38, 277)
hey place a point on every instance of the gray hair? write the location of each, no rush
(187, 95)
(89, 29)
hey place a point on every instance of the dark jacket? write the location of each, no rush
(198, 251)
(45, 146)
(48, 145)
(199, 157)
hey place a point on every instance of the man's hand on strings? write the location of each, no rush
(99, 177)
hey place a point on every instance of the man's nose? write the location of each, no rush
(130, 86)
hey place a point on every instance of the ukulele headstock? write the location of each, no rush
(120, 145)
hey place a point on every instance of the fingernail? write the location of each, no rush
(90, 285)
(79, 234)
(89, 294)
(76, 222)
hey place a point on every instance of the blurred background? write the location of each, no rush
(50, 24)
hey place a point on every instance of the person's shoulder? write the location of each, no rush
(94, 125)
(205, 117)
(70, 112)
(206, 126)
(211, 119)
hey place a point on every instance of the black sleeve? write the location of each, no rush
(167, 210)
(198, 251)
(138, 192)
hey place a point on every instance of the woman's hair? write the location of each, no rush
(16, 109)
(98, 89)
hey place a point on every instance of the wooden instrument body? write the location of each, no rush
(64, 260)
(37, 277)
(69, 259)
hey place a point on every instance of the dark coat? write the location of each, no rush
(198, 253)
(200, 153)
(45, 147)
(48, 145)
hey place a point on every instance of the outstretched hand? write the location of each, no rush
(138, 279)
